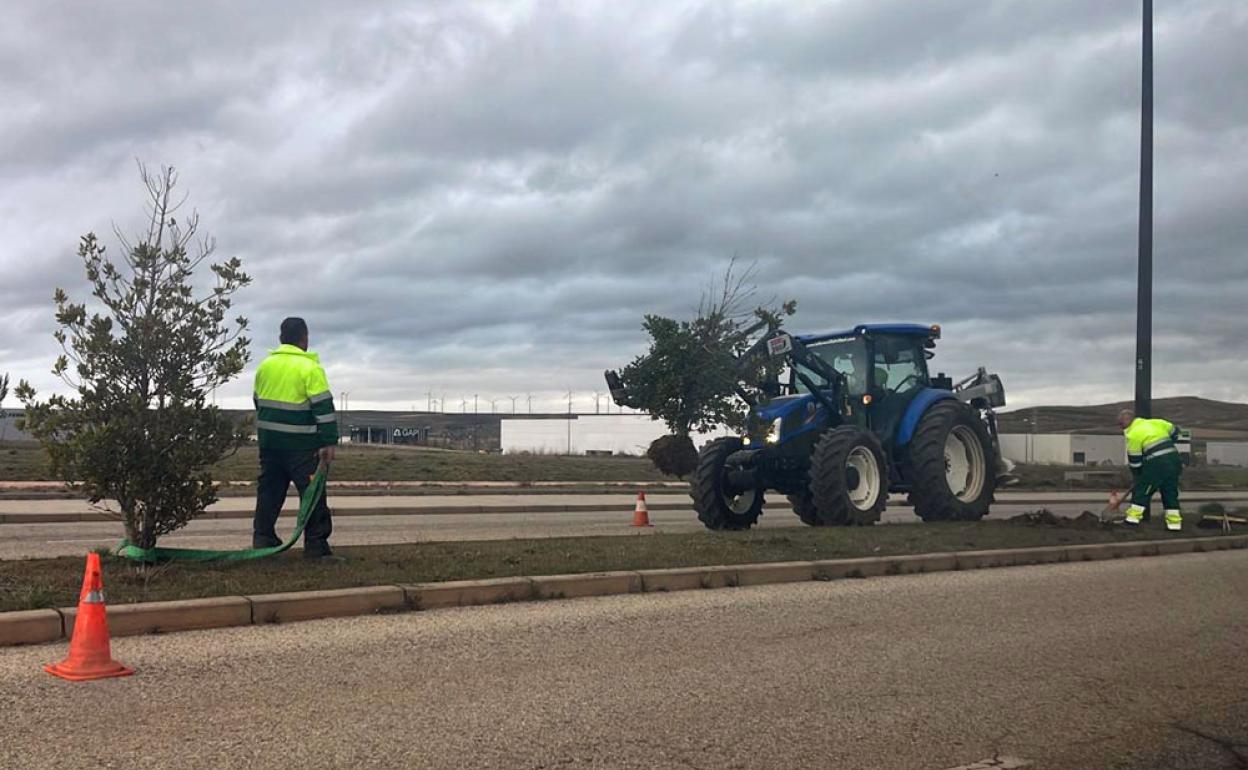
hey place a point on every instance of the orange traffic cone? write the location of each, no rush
(641, 514)
(89, 654)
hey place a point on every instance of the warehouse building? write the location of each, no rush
(592, 434)
(1064, 448)
(1227, 453)
(8, 426)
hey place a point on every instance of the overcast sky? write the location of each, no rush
(487, 197)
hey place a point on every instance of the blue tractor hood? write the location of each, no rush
(783, 406)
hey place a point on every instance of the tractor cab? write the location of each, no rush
(884, 367)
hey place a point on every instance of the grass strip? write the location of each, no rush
(36, 583)
(29, 462)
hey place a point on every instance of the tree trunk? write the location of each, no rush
(132, 531)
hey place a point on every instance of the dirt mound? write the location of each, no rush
(1046, 518)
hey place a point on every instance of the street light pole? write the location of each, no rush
(569, 422)
(1144, 284)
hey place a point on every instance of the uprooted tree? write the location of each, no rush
(142, 364)
(689, 377)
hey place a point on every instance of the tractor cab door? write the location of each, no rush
(898, 374)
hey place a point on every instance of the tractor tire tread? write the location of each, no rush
(827, 477)
(930, 494)
(704, 489)
(804, 507)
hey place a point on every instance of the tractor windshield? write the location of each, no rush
(899, 364)
(847, 355)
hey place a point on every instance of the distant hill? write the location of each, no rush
(1207, 419)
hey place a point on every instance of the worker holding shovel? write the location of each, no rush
(1155, 466)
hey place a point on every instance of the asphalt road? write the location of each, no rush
(1119, 664)
(19, 541)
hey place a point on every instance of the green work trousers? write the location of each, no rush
(1160, 474)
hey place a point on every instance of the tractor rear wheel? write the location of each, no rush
(951, 465)
(849, 477)
(804, 507)
(719, 506)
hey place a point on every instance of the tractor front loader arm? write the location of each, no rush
(619, 394)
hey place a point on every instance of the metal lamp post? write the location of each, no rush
(1144, 285)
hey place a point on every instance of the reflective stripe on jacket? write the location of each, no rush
(1147, 439)
(294, 407)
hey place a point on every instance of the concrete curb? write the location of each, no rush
(334, 603)
(30, 627)
(160, 617)
(39, 626)
(466, 593)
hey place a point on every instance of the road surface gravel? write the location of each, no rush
(1119, 664)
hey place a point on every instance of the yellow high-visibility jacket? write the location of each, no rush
(294, 407)
(1148, 439)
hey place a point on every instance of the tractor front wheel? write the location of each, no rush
(718, 504)
(951, 463)
(849, 477)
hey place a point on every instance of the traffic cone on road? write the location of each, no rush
(90, 655)
(641, 514)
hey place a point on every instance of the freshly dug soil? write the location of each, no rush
(1046, 518)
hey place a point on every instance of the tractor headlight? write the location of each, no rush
(773, 435)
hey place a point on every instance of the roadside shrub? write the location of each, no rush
(141, 363)
(673, 455)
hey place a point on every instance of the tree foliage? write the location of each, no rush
(689, 377)
(142, 363)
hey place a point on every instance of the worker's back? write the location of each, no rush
(1149, 438)
(294, 407)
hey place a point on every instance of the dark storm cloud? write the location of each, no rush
(486, 198)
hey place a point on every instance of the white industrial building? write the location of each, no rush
(1064, 448)
(631, 434)
(8, 425)
(1227, 453)
(616, 434)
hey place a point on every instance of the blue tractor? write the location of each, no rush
(853, 416)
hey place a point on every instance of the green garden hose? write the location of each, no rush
(311, 496)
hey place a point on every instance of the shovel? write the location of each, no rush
(1115, 500)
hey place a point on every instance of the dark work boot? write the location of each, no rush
(261, 541)
(320, 552)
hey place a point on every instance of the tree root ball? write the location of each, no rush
(673, 455)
